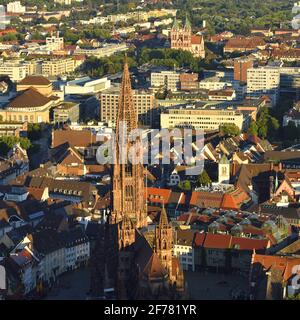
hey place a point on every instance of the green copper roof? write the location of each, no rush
(175, 24)
(187, 23)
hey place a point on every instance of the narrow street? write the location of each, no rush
(42, 155)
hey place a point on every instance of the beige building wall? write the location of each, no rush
(200, 119)
(143, 102)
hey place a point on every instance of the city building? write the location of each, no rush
(263, 81)
(203, 117)
(40, 83)
(29, 106)
(165, 80)
(66, 112)
(182, 38)
(15, 70)
(144, 103)
(293, 115)
(15, 7)
(104, 51)
(54, 42)
(189, 81)
(56, 67)
(86, 85)
(240, 69)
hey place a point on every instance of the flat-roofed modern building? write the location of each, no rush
(202, 116)
(169, 80)
(263, 81)
(86, 85)
(144, 102)
(66, 112)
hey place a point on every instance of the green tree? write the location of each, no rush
(204, 179)
(253, 129)
(185, 185)
(230, 129)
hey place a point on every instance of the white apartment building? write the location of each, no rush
(165, 79)
(213, 83)
(263, 80)
(206, 117)
(183, 249)
(55, 43)
(56, 67)
(15, 7)
(15, 70)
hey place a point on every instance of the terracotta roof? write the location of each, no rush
(29, 98)
(75, 138)
(217, 241)
(196, 39)
(244, 43)
(35, 81)
(206, 199)
(248, 243)
(235, 199)
(199, 239)
(284, 264)
(158, 195)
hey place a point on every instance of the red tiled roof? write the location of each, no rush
(158, 195)
(249, 244)
(199, 239)
(196, 39)
(284, 264)
(206, 199)
(217, 241)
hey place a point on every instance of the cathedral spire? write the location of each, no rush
(187, 25)
(175, 24)
(126, 110)
(163, 219)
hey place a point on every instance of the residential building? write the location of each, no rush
(240, 69)
(222, 95)
(293, 115)
(263, 81)
(15, 70)
(55, 42)
(144, 103)
(104, 51)
(56, 67)
(166, 80)
(189, 81)
(244, 44)
(15, 7)
(184, 248)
